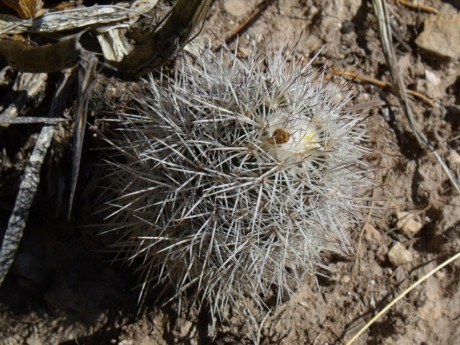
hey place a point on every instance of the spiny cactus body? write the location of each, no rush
(235, 177)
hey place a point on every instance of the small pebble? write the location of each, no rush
(398, 255)
(372, 234)
(375, 269)
(454, 159)
(236, 8)
(441, 36)
(440, 275)
(432, 77)
(408, 224)
(347, 27)
(126, 342)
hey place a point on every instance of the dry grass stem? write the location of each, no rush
(401, 295)
(383, 84)
(398, 85)
(418, 7)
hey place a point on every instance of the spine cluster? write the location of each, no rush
(234, 178)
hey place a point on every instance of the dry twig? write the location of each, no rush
(25, 120)
(26, 86)
(382, 84)
(418, 7)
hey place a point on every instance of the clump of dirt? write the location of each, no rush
(63, 289)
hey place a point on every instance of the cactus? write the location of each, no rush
(234, 178)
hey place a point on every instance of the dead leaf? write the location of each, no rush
(26, 9)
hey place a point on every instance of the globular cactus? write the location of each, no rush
(234, 178)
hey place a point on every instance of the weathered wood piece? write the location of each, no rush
(162, 44)
(46, 59)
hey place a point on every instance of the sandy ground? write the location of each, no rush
(62, 289)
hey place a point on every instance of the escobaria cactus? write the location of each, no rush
(234, 177)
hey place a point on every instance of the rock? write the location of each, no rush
(432, 77)
(375, 269)
(381, 253)
(398, 255)
(236, 8)
(451, 217)
(440, 275)
(432, 85)
(408, 224)
(372, 234)
(453, 159)
(400, 274)
(126, 342)
(441, 36)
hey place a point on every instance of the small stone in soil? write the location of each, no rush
(441, 36)
(407, 223)
(398, 255)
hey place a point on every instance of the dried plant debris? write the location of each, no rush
(398, 86)
(110, 24)
(26, 58)
(24, 199)
(123, 14)
(29, 185)
(26, 86)
(26, 9)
